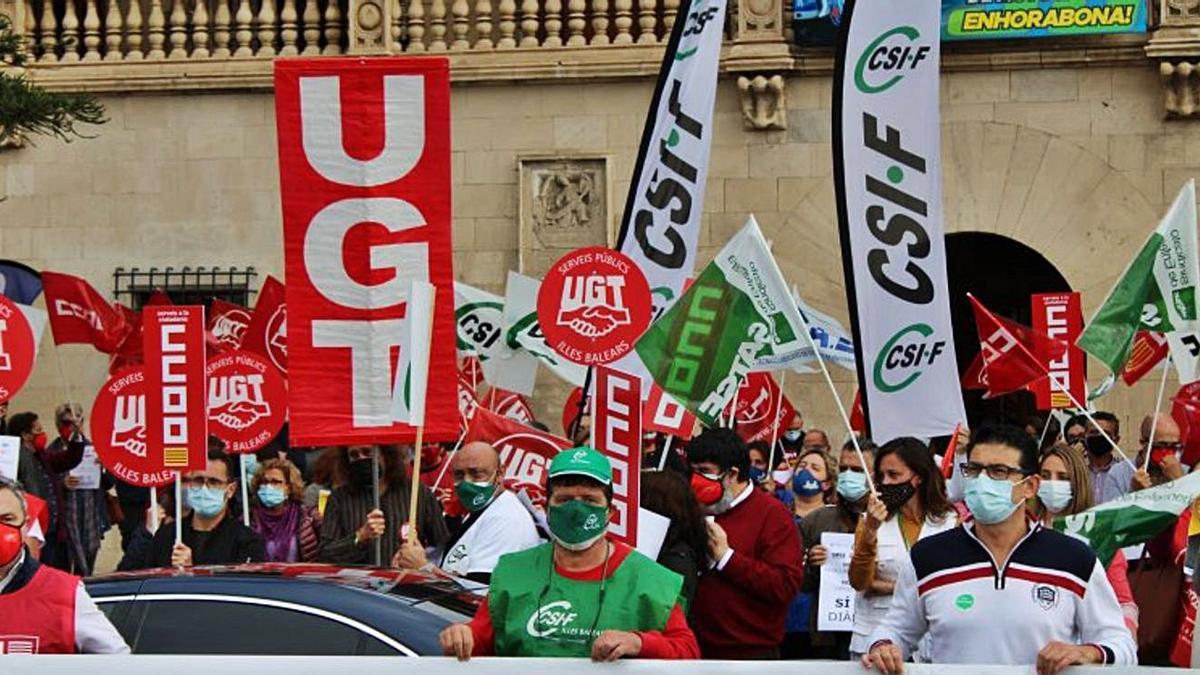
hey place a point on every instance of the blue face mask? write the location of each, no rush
(852, 485)
(805, 484)
(990, 500)
(1055, 494)
(206, 502)
(756, 475)
(271, 496)
(250, 461)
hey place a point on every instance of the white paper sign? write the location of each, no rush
(652, 532)
(88, 471)
(10, 454)
(835, 604)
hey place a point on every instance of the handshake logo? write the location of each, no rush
(593, 305)
(129, 424)
(236, 401)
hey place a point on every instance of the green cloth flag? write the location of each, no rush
(1157, 292)
(1135, 518)
(738, 310)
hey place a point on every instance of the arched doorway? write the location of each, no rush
(1002, 273)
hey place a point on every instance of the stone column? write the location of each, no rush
(370, 26)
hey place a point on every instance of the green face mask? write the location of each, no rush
(474, 496)
(577, 525)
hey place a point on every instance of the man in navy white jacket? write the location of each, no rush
(1001, 589)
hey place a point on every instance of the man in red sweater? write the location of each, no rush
(756, 558)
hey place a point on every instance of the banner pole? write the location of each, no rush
(583, 403)
(154, 510)
(415, 488)
(245, 491)
(662, 460)
(838, 400)
(377, 553)
(450, 458)
(1045, 428)
(733, 406)
(1162, 386)
(178, 508)
(776, 422)
(1088, 414)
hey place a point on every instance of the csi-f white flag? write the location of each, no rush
(887, 173)
(523, 332)
(479, 318)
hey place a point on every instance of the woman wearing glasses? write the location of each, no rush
(1066, 490)
(909, 504)
(290, 532)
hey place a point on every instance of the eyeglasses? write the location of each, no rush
(203, 481)
(1174, 447)
(994, 471)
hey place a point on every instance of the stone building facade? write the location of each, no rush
(1071, 148)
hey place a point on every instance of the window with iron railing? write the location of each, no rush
(184, 285)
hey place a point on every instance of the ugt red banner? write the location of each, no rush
(173, 345)
(1060, 316)
(618, 431)
(525, 452)
(364, 214)
(761, 413)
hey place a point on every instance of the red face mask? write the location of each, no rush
(708, 491)
(64, 431)
(39, 441)
(430, 455)
(11, 543)
(1157, 455)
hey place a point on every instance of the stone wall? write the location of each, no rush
(1076, 163)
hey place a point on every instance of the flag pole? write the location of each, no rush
(416, 474)
(662, 460)
(377, 553)
(154, 523)
(178, 508)
(1045, 429)
(777, 422)
(245, 491)
(838, 400)
(1088, 414)
(1162, 387)
(450, 458)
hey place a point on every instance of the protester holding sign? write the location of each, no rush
(210, 535)
(755, 557)
(911, 505)
(43, 469)
(1002, 589)
(1064, 491)
(43, 610)
(497, 523)
(351, 520)
(86, 505)
(290, 531)
(582, 595)
(812, 486)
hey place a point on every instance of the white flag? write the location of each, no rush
(412, 382)
(479, 319)
(522, 330)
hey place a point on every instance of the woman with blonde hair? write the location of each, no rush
(1066, 490)
(289, 530)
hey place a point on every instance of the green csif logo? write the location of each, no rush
(905, 356)
(965, 601)
(888, 59)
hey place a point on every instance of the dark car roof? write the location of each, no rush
(404, 604)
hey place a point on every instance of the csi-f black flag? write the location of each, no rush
(887, 170)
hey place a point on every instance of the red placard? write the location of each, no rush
(227, 324)
(247, 400)
(664, 414)
(118, 426)
(365, 212)
(618, 431)
(509, 404)
(525, 452)
(1149, 349)
(266, 332)
(593, 305)
(761, 415)
(1059, 316)
(17, 349)
(176, 401)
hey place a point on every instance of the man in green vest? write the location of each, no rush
(583, 594)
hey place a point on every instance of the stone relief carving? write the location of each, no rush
(564, 205)
(764, 101)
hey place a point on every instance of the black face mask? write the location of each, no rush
(895, 495)
(1097, 446)
(361, 473)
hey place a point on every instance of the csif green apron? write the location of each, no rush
(536, 612)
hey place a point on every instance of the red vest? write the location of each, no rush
(40, 618)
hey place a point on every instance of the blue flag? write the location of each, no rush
(19, 283)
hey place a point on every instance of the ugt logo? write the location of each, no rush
(236, 401)
(887, 58)
(593, 305)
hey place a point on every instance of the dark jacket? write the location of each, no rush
(230, 543)
(680, 558)
(347, 510)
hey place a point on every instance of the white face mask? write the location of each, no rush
(1056, 494)
(781, 476)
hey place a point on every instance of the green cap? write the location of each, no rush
(582, 461)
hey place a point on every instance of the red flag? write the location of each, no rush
(129, 352)
(665, 415)
(1149, 349)
(1007, 352)
(858, 421)
(948, 458)
(525, 452)
(266, 333)
(80, 315)
(761, 415)
(227, 324)
(509, 404)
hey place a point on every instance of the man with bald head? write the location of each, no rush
(1164, 454)
(497, 522)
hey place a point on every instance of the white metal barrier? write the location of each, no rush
(375, 665)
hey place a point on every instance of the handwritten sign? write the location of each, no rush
(835, 603)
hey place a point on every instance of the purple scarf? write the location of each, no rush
(279, 532)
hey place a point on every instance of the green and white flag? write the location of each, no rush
(1135, 518)
(737, 311)
(479, 319)
(1157, 292)
(523, 332)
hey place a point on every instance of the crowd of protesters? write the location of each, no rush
(738, 573)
